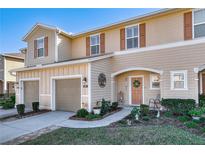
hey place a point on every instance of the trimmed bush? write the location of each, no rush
(105, 107)
(35, 106)
(20, 109)
(93, 116)
(168, 114)
(82, 113)
(201, 100)
(146, 118)
(203, 129)
(191, 124)
(135, 111)
(13, 99)
(114, 106)
(184, 118)
(8, 104)
(197, 111)
(144, 109)
(178, 106)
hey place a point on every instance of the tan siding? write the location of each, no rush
(40, 32)
(97, 93)
(64, 48)
(12, 63)
(45, 79)
(179, 58)
(79, 47)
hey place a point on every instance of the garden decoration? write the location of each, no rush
(136, 83)
(101, 80)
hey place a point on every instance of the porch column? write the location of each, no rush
(113, 89)
(196, 78)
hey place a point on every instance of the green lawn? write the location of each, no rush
(119, 135)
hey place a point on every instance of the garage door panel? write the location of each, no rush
(31, 93)
(68, 94)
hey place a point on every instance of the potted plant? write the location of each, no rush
(97, 108)
(196, 113)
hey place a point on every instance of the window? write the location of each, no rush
(199, 23)
(179, 80)
(95, 44)
(40, 47)
(132, 37)
(154, 81)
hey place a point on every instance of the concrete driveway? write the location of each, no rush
(14, 129)
(17, 128)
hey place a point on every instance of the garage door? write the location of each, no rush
(31, 93)
(68, 95)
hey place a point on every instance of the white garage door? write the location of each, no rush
(68, 94)
(31, 93)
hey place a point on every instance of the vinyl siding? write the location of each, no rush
(178, 58)
(97, 93)
(64, 48)
(45, 80)
(40, 32)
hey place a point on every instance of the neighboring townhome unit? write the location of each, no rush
(156, 55)
(9, 61)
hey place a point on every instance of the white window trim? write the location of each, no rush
(193, 24)
(132, 37)
(95, 44)
(43, 47)
(151, 88)
(185, 79)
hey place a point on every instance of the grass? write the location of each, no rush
(119, 135)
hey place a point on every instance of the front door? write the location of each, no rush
(203, 83)
(136, 90)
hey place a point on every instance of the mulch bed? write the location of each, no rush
(26, 115)
(162, 120)
(85, 119)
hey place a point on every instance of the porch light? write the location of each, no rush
(84, 80)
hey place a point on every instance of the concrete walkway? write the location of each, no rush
(10, 112)
(98, 123)
(17, 128)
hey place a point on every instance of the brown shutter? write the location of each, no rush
(46, 46)
(122, 39)
(35, 48)
(142, 35)
(102, 43)
(188, 26)
(87, 46)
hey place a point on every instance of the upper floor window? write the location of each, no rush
(199, 23)
(132, 37)
(40, 47)
(154, 81)
(179, 80)
(95, 44)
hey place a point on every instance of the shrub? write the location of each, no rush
(105, 107)
(203, 129)
(201, 100)
(146, 118)
(178, 106)
(197, 111)
(20, 109)
(144, 109)
(82, 113)
(184, 118)
(135, 111)
(13, 99)
(8, 104)
(114, 106)
(168, 114)
(35, 106)
(93, 116)
(191, 124)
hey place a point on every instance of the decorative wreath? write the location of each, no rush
(136, 83)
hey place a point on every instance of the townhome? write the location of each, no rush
(159, 54)
(9, 61)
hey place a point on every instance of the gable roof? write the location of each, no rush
(123, 22)
(14, 55)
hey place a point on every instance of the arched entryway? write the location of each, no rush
(135, 86)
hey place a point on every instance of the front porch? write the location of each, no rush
(136, 86)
